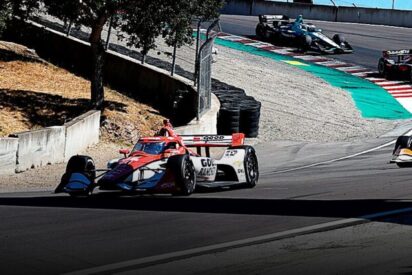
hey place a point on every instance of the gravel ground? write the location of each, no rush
(295, 106)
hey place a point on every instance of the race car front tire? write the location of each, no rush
(184, 172)
(251, 165)
(78, 164)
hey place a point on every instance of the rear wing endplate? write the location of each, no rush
(236, 139)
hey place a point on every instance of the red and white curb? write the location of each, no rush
(400, 90)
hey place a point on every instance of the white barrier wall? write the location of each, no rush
(8, 155)
(81, 132)
(388, 17)
(40, 147)
(31, 149)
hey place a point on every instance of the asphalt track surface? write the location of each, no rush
(368, 41)
(42, 233)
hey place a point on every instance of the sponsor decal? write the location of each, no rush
(208, 169)
(167, 185)
(230, 153)
(206, 162)
(399, 52)
(238, 163)
(207, 172)
(213, 138)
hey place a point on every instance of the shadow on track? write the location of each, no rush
(276, 207)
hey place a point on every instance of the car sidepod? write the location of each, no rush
(205, 169)
(150, 177)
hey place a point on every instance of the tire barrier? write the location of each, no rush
(238, 112)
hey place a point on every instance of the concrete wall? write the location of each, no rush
(31, 149)
(320, 12)
(40, 147)
(8, 153)
(155, 86)
(207, 124)
(81, 132)
(316, 12)
(375, 16)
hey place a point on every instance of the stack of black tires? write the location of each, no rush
(238, 112)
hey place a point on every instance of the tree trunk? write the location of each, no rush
(98, 58)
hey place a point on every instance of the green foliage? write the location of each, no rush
(21, 8)
(140, 23)
(140, 20)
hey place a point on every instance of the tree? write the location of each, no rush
(141, 20)
(20, 8)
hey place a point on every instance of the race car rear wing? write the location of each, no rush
(236, 139)
(398, 56)
(268, 19)
(389, 53)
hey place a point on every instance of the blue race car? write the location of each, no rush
(280, 29)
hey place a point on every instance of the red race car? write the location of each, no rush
(165, 163)
(396, 64)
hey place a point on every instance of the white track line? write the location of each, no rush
(133, 265)
(409, 133)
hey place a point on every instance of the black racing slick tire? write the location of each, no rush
(339, 39)
(382, 67)
(184, 172)
(260, 32)
(306, 42)
(251, 165)
(410, 74)
(404, 164)
(403, 142)
(79, 164)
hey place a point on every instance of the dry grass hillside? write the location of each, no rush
(36, 94)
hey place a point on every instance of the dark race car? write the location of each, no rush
(166, 164)
(280, 29)
(396, 64)
(402, 153)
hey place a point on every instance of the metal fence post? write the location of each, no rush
(69, 28)
(174, 60)
(197, 52)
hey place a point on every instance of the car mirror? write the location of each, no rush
(125, 152)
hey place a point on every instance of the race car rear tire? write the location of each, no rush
(306, 42)
(403, 142)
(260, 32)
(382, 68)
(339, 39)
(184, 173)
(251, 165)
(410, 75)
